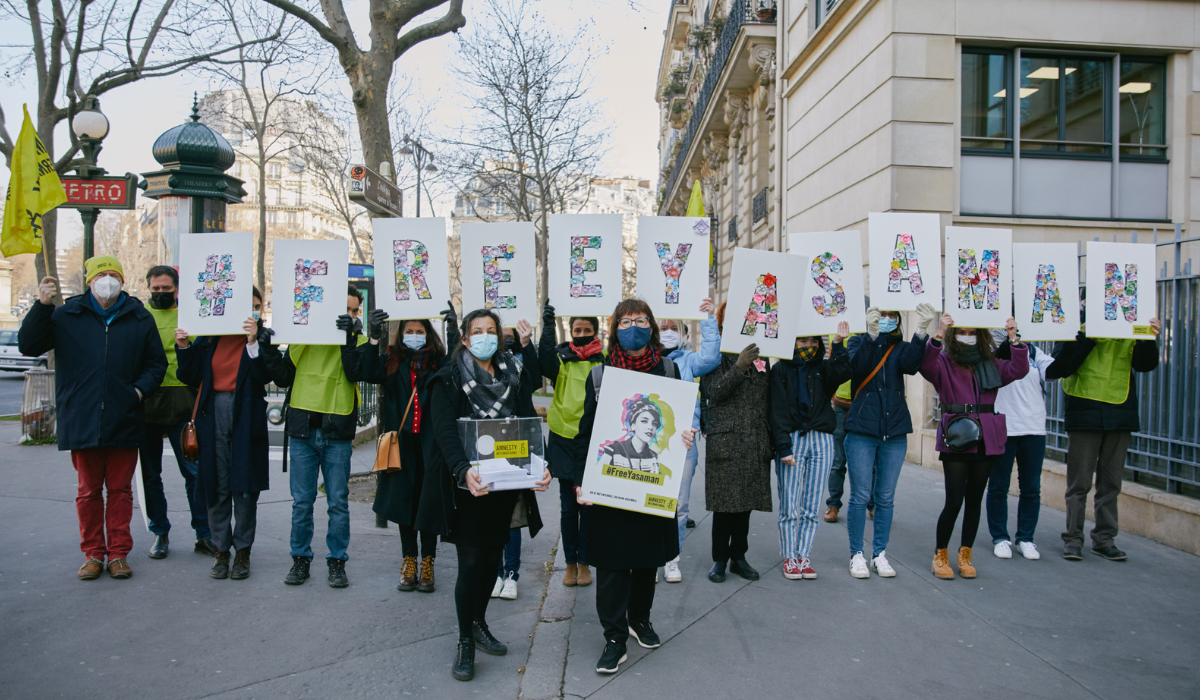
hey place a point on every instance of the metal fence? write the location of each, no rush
(367, 408)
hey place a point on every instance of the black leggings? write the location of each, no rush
(965, 481)
(408, 542)
(476, 577)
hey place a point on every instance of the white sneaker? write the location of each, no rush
(671, 571)
(1003, 549)
(881, 566)
(509, 592)
(1029, 550)
(496, 589)
(858, 566)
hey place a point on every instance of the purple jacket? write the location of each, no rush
(956, 385)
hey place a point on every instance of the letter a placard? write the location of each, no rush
(411, 267)
(216, 281)
(499, 270)
(765, 294)
(585, 263)
(1121, 294)
(978, 276)
(672, 265)
(1046, 290)
(905, 255)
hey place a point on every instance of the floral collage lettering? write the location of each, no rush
(215, 289)
(410, 276)
(822, 266)
(672, 266)
(764, 308)
(1047, 298)
(581, 265)
(904, 266)
(1120, 290)
(977, 281)
(493, 276)
(306, 292)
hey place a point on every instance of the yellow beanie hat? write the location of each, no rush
(102, 263)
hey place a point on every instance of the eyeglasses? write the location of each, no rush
(640, 321)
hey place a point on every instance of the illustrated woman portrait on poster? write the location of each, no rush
(644, 421)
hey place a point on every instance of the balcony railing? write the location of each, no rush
(759, 206)
(733, 230)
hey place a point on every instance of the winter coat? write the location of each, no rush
(1023, 402)
(623, 539)
(97, 366)
(333, 426)
(569, 374)
(956, 385)
(447, 508)
(1089, 414)
(737, 475)
(822, 380)
(250, 461)
(693, 365)
(879, 410)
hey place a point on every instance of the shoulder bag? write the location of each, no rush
(876, 370)
(387, 448)
(189, 442)
(962, 433)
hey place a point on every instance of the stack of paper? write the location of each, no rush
(501, 475)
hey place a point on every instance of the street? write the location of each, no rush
(12, 388)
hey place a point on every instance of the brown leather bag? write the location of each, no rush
(387, 447)
(188, 441)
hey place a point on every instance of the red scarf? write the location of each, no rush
(622, 360)
(583, 353)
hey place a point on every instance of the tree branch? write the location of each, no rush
(452, 21)
(341, 43)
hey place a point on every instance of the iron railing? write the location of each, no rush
(733, 229)
(759, 205)
(366, 409)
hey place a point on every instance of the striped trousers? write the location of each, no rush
(801, 488)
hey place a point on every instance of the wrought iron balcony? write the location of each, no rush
(760, 205)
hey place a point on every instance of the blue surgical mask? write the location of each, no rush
(416, 341)
(633, 338)
(256, 315)
(887, 324)
(483, 346)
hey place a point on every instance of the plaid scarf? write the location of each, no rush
(583, 353)
(490, 397)
(622, 360)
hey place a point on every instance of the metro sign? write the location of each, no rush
(100, 192)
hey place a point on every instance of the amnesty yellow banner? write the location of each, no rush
(33, 190)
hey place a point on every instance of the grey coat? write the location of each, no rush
(738, 464)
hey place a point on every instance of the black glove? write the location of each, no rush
(547, 314)
(351, 325)
(747, 357)
(376, 322)
(449, 315)
(264, 337)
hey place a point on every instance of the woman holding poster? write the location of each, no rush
(628, 547)
(961, 365)
(478, 382)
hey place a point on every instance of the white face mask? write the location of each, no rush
(106, 287)
(670, 339)
(966, 339)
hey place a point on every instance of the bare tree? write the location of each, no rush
(331, 155)
(91, 47)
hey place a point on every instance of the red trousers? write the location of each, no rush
(103, 468)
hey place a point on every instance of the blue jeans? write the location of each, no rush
(572, 524)
(685, 488)
(1028, 451)
(837, 473)
(510, 563)
(869, 457)
(331, 458)
(151, 452)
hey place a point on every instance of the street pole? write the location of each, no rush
(422, 159)
(89, 229)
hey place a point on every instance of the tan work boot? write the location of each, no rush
(571, 577)
(118, 568)
(965, 568)
(831, 515)
(425, 583)
(941, 565)
(91, 569)
(408, 575)
(585, 576)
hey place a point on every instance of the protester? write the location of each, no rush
(877, 428)
(1023, 406)
(479, 382)
(966, 376)
(108, 360)
(1101, 415)
(567, 365)
(509, 569)
(322, 419)
(404, 372)
(232, 374)
(626, 547)
(167, 411)
(692, 366)
(802, 424)
(837, 472)
(737, 477)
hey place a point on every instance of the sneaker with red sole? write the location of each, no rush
(806, 569)
(791, 570)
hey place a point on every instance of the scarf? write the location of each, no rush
(986, 373)
(586, 351)
(622, 360)
(422, 360)
(490, 397)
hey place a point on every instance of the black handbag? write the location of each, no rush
(963, 433)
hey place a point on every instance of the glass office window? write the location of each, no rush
(1064, 105)
(985, 101)
(1143, 108)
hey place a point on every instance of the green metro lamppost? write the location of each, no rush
(422, 159)
(90, 127)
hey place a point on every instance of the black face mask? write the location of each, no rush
(162, 300)
(582, 341)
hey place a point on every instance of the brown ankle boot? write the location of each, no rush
(425, 579)
(571, 577)
(941, 565)
(585, 576)
(965, 568)
(408, 575)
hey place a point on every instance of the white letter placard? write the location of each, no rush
(308, 291)
(412, 277)
(765, 294)
(499, 271)
(905, 253)
(1121, 293)
(636, 455)
(673, 256)
(833, 281)
(978, 276)
(1046, 290)
(216, 282)
(585, 263)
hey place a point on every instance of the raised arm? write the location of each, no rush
(1069, 356)
(709, 357)
(837, 368)
(1145, 355)
(1016, 368)
(371, 363)
(723, 382)
(912, 354)
(931, 365)
(548, 362)
(36, 335)
(779, 409)
(191, 363)
(583, 439)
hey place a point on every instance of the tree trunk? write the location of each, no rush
(370, 107)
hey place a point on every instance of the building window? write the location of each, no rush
(273, 171)
(1065, 105)
(272, 217)
(824, 7)
(1143, 130)
(985, 103)
(500, 208)
(293, 218)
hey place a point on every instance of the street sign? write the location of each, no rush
(100, 192)
(375, 192)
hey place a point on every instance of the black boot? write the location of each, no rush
(717, 573)
(337, 573)
(299, 572)
(158, 550)
(241, 565)
(742, 568)
(486, 642)
(205, 547)
(220, 567)
(464, 660)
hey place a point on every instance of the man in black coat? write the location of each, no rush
(108, 359)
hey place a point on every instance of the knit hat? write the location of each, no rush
(102, 263)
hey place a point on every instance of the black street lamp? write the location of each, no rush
(422, 159)
(90, 127)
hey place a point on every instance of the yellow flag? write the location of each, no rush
(696, 203)
(33, 190)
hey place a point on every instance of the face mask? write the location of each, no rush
(887, 324)
(256, 315)
(670, 339)
(483, 346)
(633, 338)
(162, 300)
(966, 339)
(807, 353)
(106, 287)
(417, 341)
(582, 341)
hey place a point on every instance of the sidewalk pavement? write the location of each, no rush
(1046, 629)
